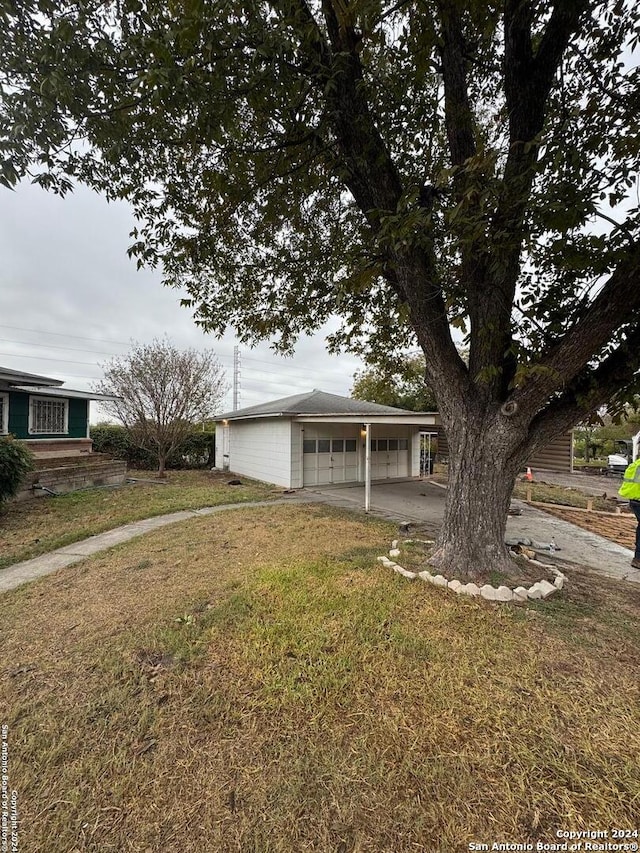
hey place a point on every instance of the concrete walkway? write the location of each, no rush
(395, 502)
(45, 564)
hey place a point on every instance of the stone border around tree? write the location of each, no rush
(503, 594)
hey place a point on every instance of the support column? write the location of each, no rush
(367, 468)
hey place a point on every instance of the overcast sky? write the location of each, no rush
(71, 299)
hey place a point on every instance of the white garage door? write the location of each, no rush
(330, 460)
(389, 458)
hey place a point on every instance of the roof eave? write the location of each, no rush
(229, 416)
(69, 393)
(16, 378)
(344, 417)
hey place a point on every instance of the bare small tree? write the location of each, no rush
(161, 392)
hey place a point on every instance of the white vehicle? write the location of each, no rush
(616, 464)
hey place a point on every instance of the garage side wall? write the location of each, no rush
(556, 456)
(261, 449)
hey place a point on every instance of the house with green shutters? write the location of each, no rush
(37, 410)
(54, 423)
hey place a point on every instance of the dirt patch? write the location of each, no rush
(620, 529)
(587, 586)
(415, 557)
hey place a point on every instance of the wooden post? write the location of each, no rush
(529, 495)
(590, 505)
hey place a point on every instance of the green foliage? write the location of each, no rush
(117, 441)
(313, 158)
(16, 460)
(403, 387)
(195, 451)
(599, 440)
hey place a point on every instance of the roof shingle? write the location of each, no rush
(313, 403)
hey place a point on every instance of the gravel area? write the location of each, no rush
(593, 484)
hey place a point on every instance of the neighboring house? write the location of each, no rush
(47, 417)
(318, 438)
(555, 456)
(54, 423)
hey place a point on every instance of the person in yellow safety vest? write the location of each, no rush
(630, 489)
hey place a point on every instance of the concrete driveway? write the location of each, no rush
(419, 501)
(422, 502)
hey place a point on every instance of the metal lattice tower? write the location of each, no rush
(236, 378)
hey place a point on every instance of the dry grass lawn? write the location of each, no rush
(34, 527)
(256, 682)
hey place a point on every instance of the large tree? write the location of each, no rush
(405, 165)
(161, 392)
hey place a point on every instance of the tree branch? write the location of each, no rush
(458, 115)
(590, 390)
(312, 39)
(619, 300)
(374, 182)
(528, 78)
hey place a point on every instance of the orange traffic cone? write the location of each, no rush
(528, 476)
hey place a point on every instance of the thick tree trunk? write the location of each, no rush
(161, 465)
(483, 465)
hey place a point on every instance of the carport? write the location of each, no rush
(418, 500)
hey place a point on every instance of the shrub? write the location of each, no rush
(16, 460)
(196, 451)
(116, 441)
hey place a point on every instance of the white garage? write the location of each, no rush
(318, 438)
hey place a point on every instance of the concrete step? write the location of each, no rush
(53, 460)
(71, 478)
(59, 447)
